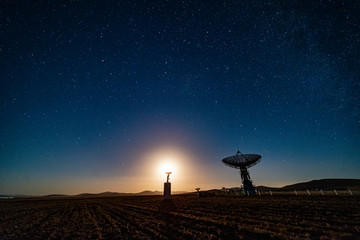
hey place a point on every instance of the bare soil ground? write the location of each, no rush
(138, 217)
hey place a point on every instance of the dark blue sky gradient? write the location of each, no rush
(88, 85)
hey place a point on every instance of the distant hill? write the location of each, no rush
(314, 184)
(103, 194)
(148, 192)
(56, 195)
(85, 194)
(3, 196)
(325, 184)
(111, 193)
(264, 188)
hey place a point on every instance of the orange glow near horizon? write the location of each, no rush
(166, 159)
(148, 171)
(167, 164)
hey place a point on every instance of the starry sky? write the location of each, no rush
(95, 93)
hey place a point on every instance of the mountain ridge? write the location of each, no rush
(327, 183)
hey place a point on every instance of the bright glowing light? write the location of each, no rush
(158, 161)
(167, 164)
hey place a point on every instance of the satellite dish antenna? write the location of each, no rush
(168, 176)
(167, 186)
(243, 162)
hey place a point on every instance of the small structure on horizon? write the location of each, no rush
(167, 204)
(198, 191)
(167, 187)
(243, 162)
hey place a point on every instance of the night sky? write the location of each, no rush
(95, 93)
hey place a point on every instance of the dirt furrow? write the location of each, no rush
(194, 218)
(59, 224)
(112, 228)
(131, 220)
(182, 226)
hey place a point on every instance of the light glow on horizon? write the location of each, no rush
(159, 160)
(168, 164)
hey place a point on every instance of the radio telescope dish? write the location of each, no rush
(243, 162)
(168, 176)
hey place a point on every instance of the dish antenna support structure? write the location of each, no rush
(167, 187)
(243, 162)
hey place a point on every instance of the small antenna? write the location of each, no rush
(168, 176)
(167, 187)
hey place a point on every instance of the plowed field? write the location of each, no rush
(138, 217)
